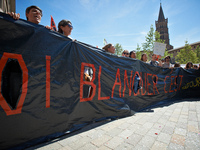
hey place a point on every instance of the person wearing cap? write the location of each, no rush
(65, 27)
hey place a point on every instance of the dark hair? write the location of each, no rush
(142, 56)
(30, 7)
(195, 66)
(187, 65)
(167, 57)
(177, 64)
(107, 46)
(63, 23)
(131, 53)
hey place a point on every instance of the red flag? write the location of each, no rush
(53, 25)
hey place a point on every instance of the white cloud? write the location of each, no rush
(143, 33)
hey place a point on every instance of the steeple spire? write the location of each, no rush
(161, 27)
(161, 14)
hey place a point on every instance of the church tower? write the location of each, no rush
(161, 27)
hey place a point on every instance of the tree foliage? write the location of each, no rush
(151, 37)
(138, 52)
(186, 54)
(148, 45)
(167, 54)
(197, 51)
(118, 49)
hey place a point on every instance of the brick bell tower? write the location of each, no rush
(161, 27)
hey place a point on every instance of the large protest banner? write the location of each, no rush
(42, 92)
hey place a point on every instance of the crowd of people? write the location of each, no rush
(155, 59)
(34, 15)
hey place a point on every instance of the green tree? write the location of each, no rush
(118, 49)
(148, 45)
(138, 52)
(186, 54)
(150, 39)
(167, 54)
(157, 37)
(197, 51)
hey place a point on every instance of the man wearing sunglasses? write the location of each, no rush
(125, 53)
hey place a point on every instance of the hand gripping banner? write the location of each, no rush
(51, 84)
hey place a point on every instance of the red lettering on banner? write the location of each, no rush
(48, 58)
(82, 82)
(126, 81)
(154, 83)
(99, 89)
(117, 83)
(165, 84)
(143, 84)
(148, 74)
(24, 69)
(135, 94)
(171, 85)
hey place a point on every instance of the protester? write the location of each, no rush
(109, 48)
(144, 57)
(88, 75)
(189, 65)
(195, 67)
(167, 63)
(125, 53)
(154, 62)
(132, 54)
(33, 14)
(177, 64)
(65, 27)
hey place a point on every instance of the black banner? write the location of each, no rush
(44, 91)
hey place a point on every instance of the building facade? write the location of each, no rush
(7, 6)
(175, 51)
(162, 28)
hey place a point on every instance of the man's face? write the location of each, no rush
(125, 54)
(154, 57)
(167, 59)
(111, 49)
(34, 16)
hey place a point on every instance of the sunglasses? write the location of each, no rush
(126, 53)
(69, 25)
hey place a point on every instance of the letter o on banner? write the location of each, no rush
(24, 69)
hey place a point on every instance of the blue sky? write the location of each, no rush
(126, 22)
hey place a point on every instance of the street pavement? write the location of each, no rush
(172, 126)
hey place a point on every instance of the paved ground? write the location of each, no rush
(172, 126)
